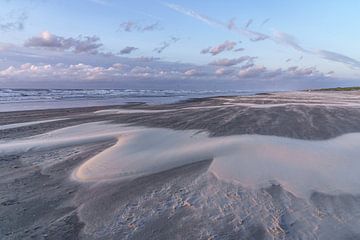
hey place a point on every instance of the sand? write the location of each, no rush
(278, 166)
(299, 166)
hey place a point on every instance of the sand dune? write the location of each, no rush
(254, 161)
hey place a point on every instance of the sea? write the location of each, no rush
(33, 99)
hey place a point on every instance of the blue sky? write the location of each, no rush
(258, 41)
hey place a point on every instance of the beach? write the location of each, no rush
(265, 166)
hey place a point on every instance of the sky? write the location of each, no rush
(248, 44)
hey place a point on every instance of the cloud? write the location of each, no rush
(251, 35)
(101, 2)
(223, 71)
(81, 44)
(254, 36)
(132, 26)
(127, 50)
(128, 26)
(146, 59)
(337, 57)
(239, 49)
(231, 25)
(248, 23)
(225, 62)
(130, 69)
(13, 21)
(5, 46)
(151, 27)
(252, 72)
(191, 72)
(50, 67)
(85, 72)
(264, 22)
(225, 46)
(59, 71)
(295, 72)
(289, 40)
(165, 44)
(194, 14)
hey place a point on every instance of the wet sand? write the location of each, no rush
(44, 194)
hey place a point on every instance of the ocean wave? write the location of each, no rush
(26, 95)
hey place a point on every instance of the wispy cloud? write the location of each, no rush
(337, 57)
(248, 23)
(225, 46)
(250, 34)
(132, 26)
(225, 62)
(239, 49)
(194, 14)
(127, 50)
(264, 22)
(101, 2)
(254, 36)
(13, 21)
(289, 40)
(165, 44)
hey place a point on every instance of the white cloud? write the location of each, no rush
(153, 71)
(223, 71)
(81, 44)
(191, 72)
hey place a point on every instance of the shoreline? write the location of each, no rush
(33, 99)
(300, 115)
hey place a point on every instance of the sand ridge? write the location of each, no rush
(301, 166)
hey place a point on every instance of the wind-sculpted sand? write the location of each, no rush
(300, 166)
(280, 166)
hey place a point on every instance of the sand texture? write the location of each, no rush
(274, 166)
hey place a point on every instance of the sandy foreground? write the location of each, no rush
(269, 166)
